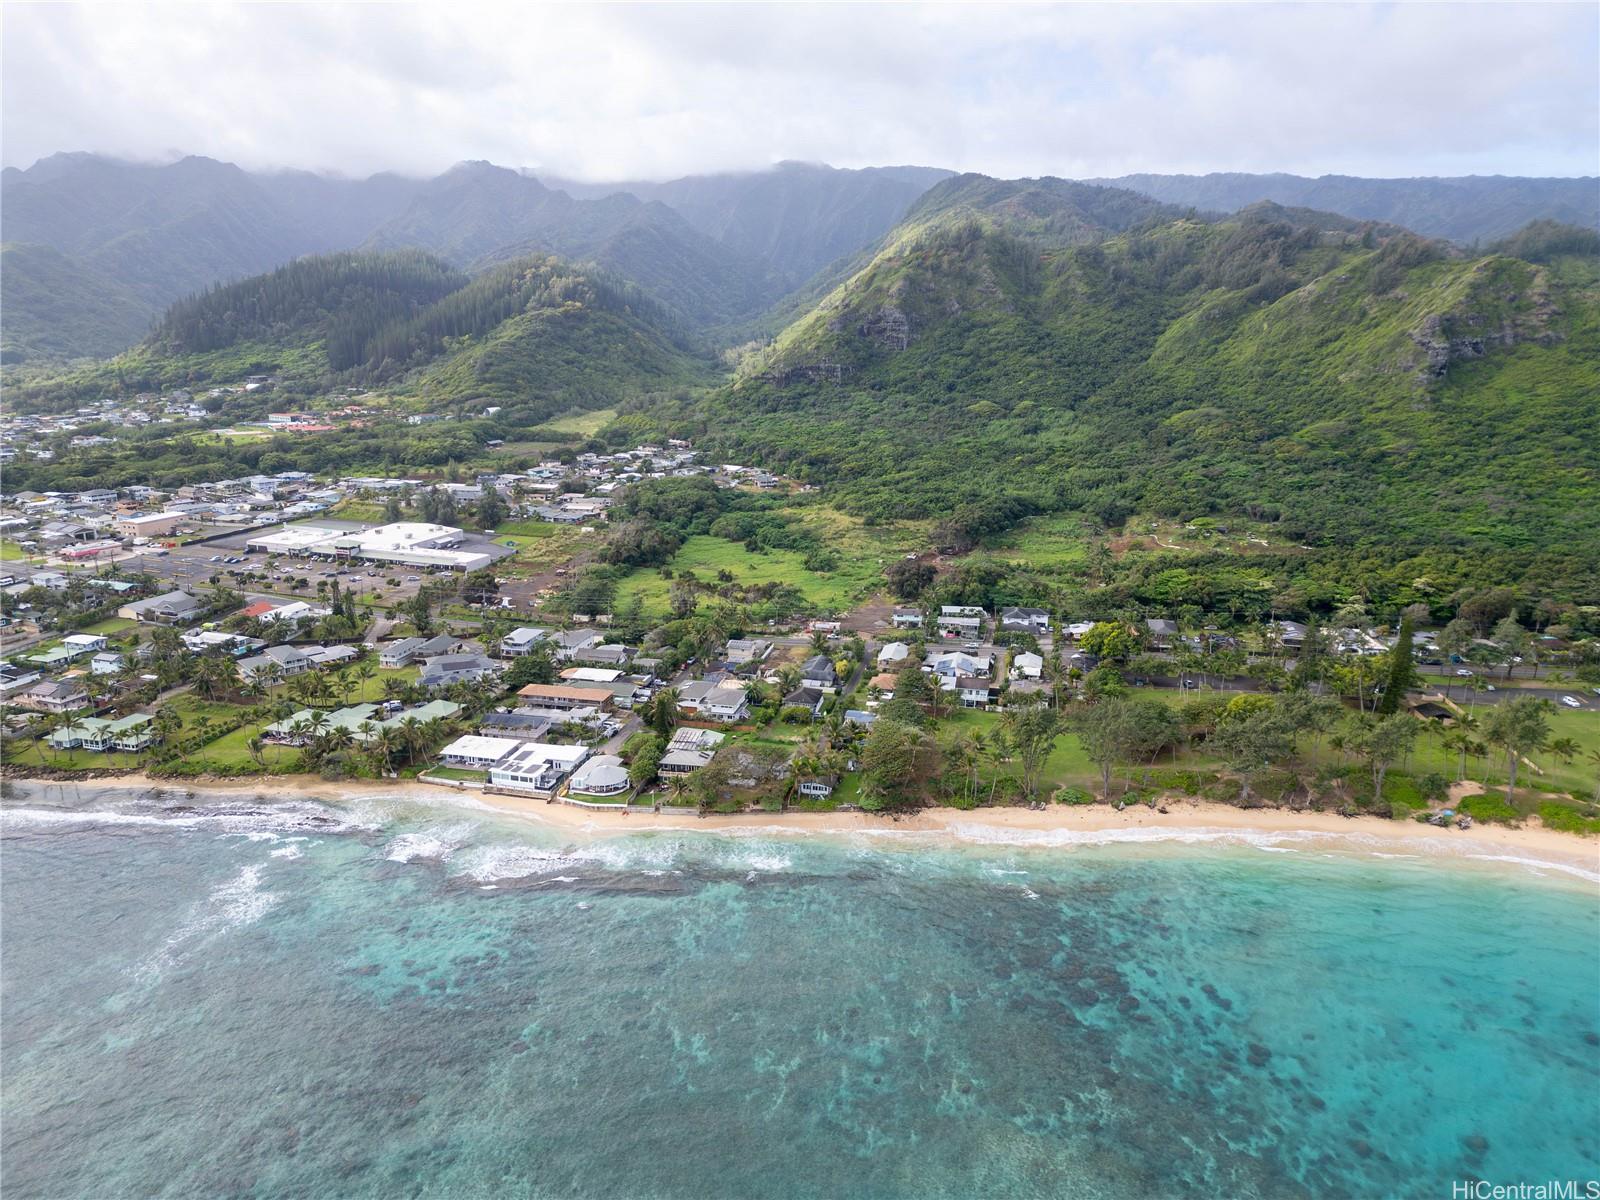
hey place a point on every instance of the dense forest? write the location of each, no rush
(345, 300)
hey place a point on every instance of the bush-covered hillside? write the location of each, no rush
(538, 333)
(1352, 386)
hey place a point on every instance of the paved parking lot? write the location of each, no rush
(194, 566)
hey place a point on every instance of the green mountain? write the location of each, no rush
(1467, 209)
(537, 334)
(55, 307)
(796, 218)
(1020, 347)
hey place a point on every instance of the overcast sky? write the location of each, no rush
(607, 93)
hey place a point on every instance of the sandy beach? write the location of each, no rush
(1056, 827)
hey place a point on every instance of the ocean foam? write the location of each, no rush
(434, 843)
(234, 904)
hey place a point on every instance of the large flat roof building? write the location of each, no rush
(408, 543)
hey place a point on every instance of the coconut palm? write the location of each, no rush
(1566, 749)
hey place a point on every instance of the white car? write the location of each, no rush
(1572, 702)
(1463, 673)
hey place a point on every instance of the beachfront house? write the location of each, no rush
(128, 734)
(478, 752)
(537, 767)
(602, 775)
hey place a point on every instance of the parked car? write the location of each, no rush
(1572, 702)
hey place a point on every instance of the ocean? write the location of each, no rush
(207, 995)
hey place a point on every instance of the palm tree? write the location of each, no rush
(1566, 749)
(1456, 741)
(411, 731)
(166, 723)
(387, 744)
(44, 726)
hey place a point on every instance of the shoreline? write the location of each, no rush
(1056, 828)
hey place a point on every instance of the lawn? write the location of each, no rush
(1578, 777)
(190, 708)
(361, 690)
(110, 626)
(461, 773)
(584, 424)
(10, 551)
(1045, 542)
(358, 510)
(862, 555)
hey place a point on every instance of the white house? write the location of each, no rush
(960, 619)
(476, 752)
(602, 775)
(894, 652)
(520, 641)
(1027, 666)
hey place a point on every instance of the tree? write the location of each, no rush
(894, 762)
(1033, 730)
(909, 578)
(491, 509)
(536, 666)
(1308, 712)
(682, 598)
(1122, 730)
(645, 762)
(1402, 671)
(1513, 640)
(1518, 727)
(1252, 741)
(1112, 641)
(1456, 638)
(480, 587)
(1382, 742)
(663, 712)
(1566, 749)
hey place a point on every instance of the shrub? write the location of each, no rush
(1189, 782)
(1403, 792)
(1556, 815)
(1491, 807)
(1074, 795)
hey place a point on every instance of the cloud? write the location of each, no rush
(614, 92)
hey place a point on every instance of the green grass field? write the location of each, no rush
(1045, 542)
(110, 626)
(863, 553)
(11, 552)
(584, 424)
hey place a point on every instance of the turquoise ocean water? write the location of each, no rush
(205, 996)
